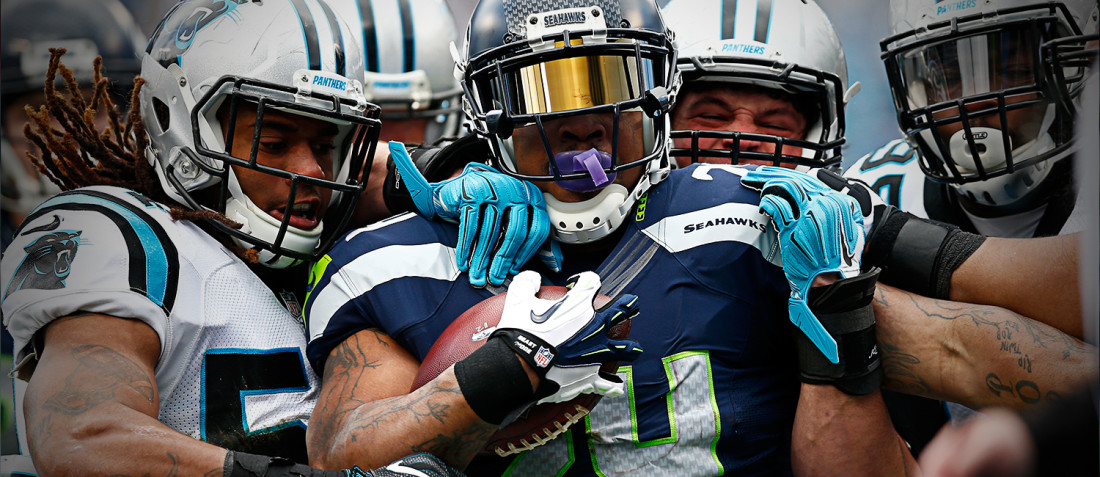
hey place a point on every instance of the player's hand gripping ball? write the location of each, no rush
(546, 419)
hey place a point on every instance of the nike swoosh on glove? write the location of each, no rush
(820, 231)
(566, 340)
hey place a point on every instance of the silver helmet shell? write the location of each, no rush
(409, 70)
(291, 56)
(619, 58)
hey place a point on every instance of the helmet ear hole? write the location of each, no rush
(160, 110)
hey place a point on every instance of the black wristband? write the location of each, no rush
(493, 382)
(844, 309)
(918, 255)
(241, 464)
(537, 353)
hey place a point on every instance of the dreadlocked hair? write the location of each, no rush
(77, 155)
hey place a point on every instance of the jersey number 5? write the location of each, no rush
(237, 380)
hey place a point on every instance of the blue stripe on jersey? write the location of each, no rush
(309, 33)
(145, 239)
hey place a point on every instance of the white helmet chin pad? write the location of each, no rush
(989, 143)
(261, 225)
(1004, 189)
(589, 220)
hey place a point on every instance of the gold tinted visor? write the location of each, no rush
(576, 83)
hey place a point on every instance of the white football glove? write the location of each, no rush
(565, 340)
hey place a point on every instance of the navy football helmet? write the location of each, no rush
(527, 62)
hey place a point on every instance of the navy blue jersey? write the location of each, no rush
(716, 387)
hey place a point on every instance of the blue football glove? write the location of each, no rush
(565, 340)
(502, 220)
(820, 231)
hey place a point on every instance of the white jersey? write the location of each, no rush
(231, 370)
(893, 171)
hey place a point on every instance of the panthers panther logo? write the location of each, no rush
(47, 263)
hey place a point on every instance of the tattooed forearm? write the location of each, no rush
(1027, 392)
(977, 355)
(460, 446)
(174, 470)
(421, 405)
(101, 373)
(900, 371)
(1006, 324)
(343, 373)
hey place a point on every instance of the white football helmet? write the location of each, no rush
(292, 56)
(409, 70)
(787, 45)
(530, 61)
(977, 92)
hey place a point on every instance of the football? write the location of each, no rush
(540, 422)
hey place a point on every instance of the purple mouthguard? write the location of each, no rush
(592, 161)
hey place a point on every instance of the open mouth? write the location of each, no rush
(302, 215)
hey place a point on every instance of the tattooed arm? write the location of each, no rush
(91, 405)
(975, 355)
(365, 413)
(1003, 272)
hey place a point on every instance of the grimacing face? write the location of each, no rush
(736, 108)
(293, 143)
(580, 133)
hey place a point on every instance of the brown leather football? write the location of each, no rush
(540, 422)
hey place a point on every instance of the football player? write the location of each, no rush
(155, 304)
(986, 94)
(1059, 438)
(767, 90)
(88, 29)
(574, 96)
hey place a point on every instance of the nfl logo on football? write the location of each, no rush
(544, 357)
